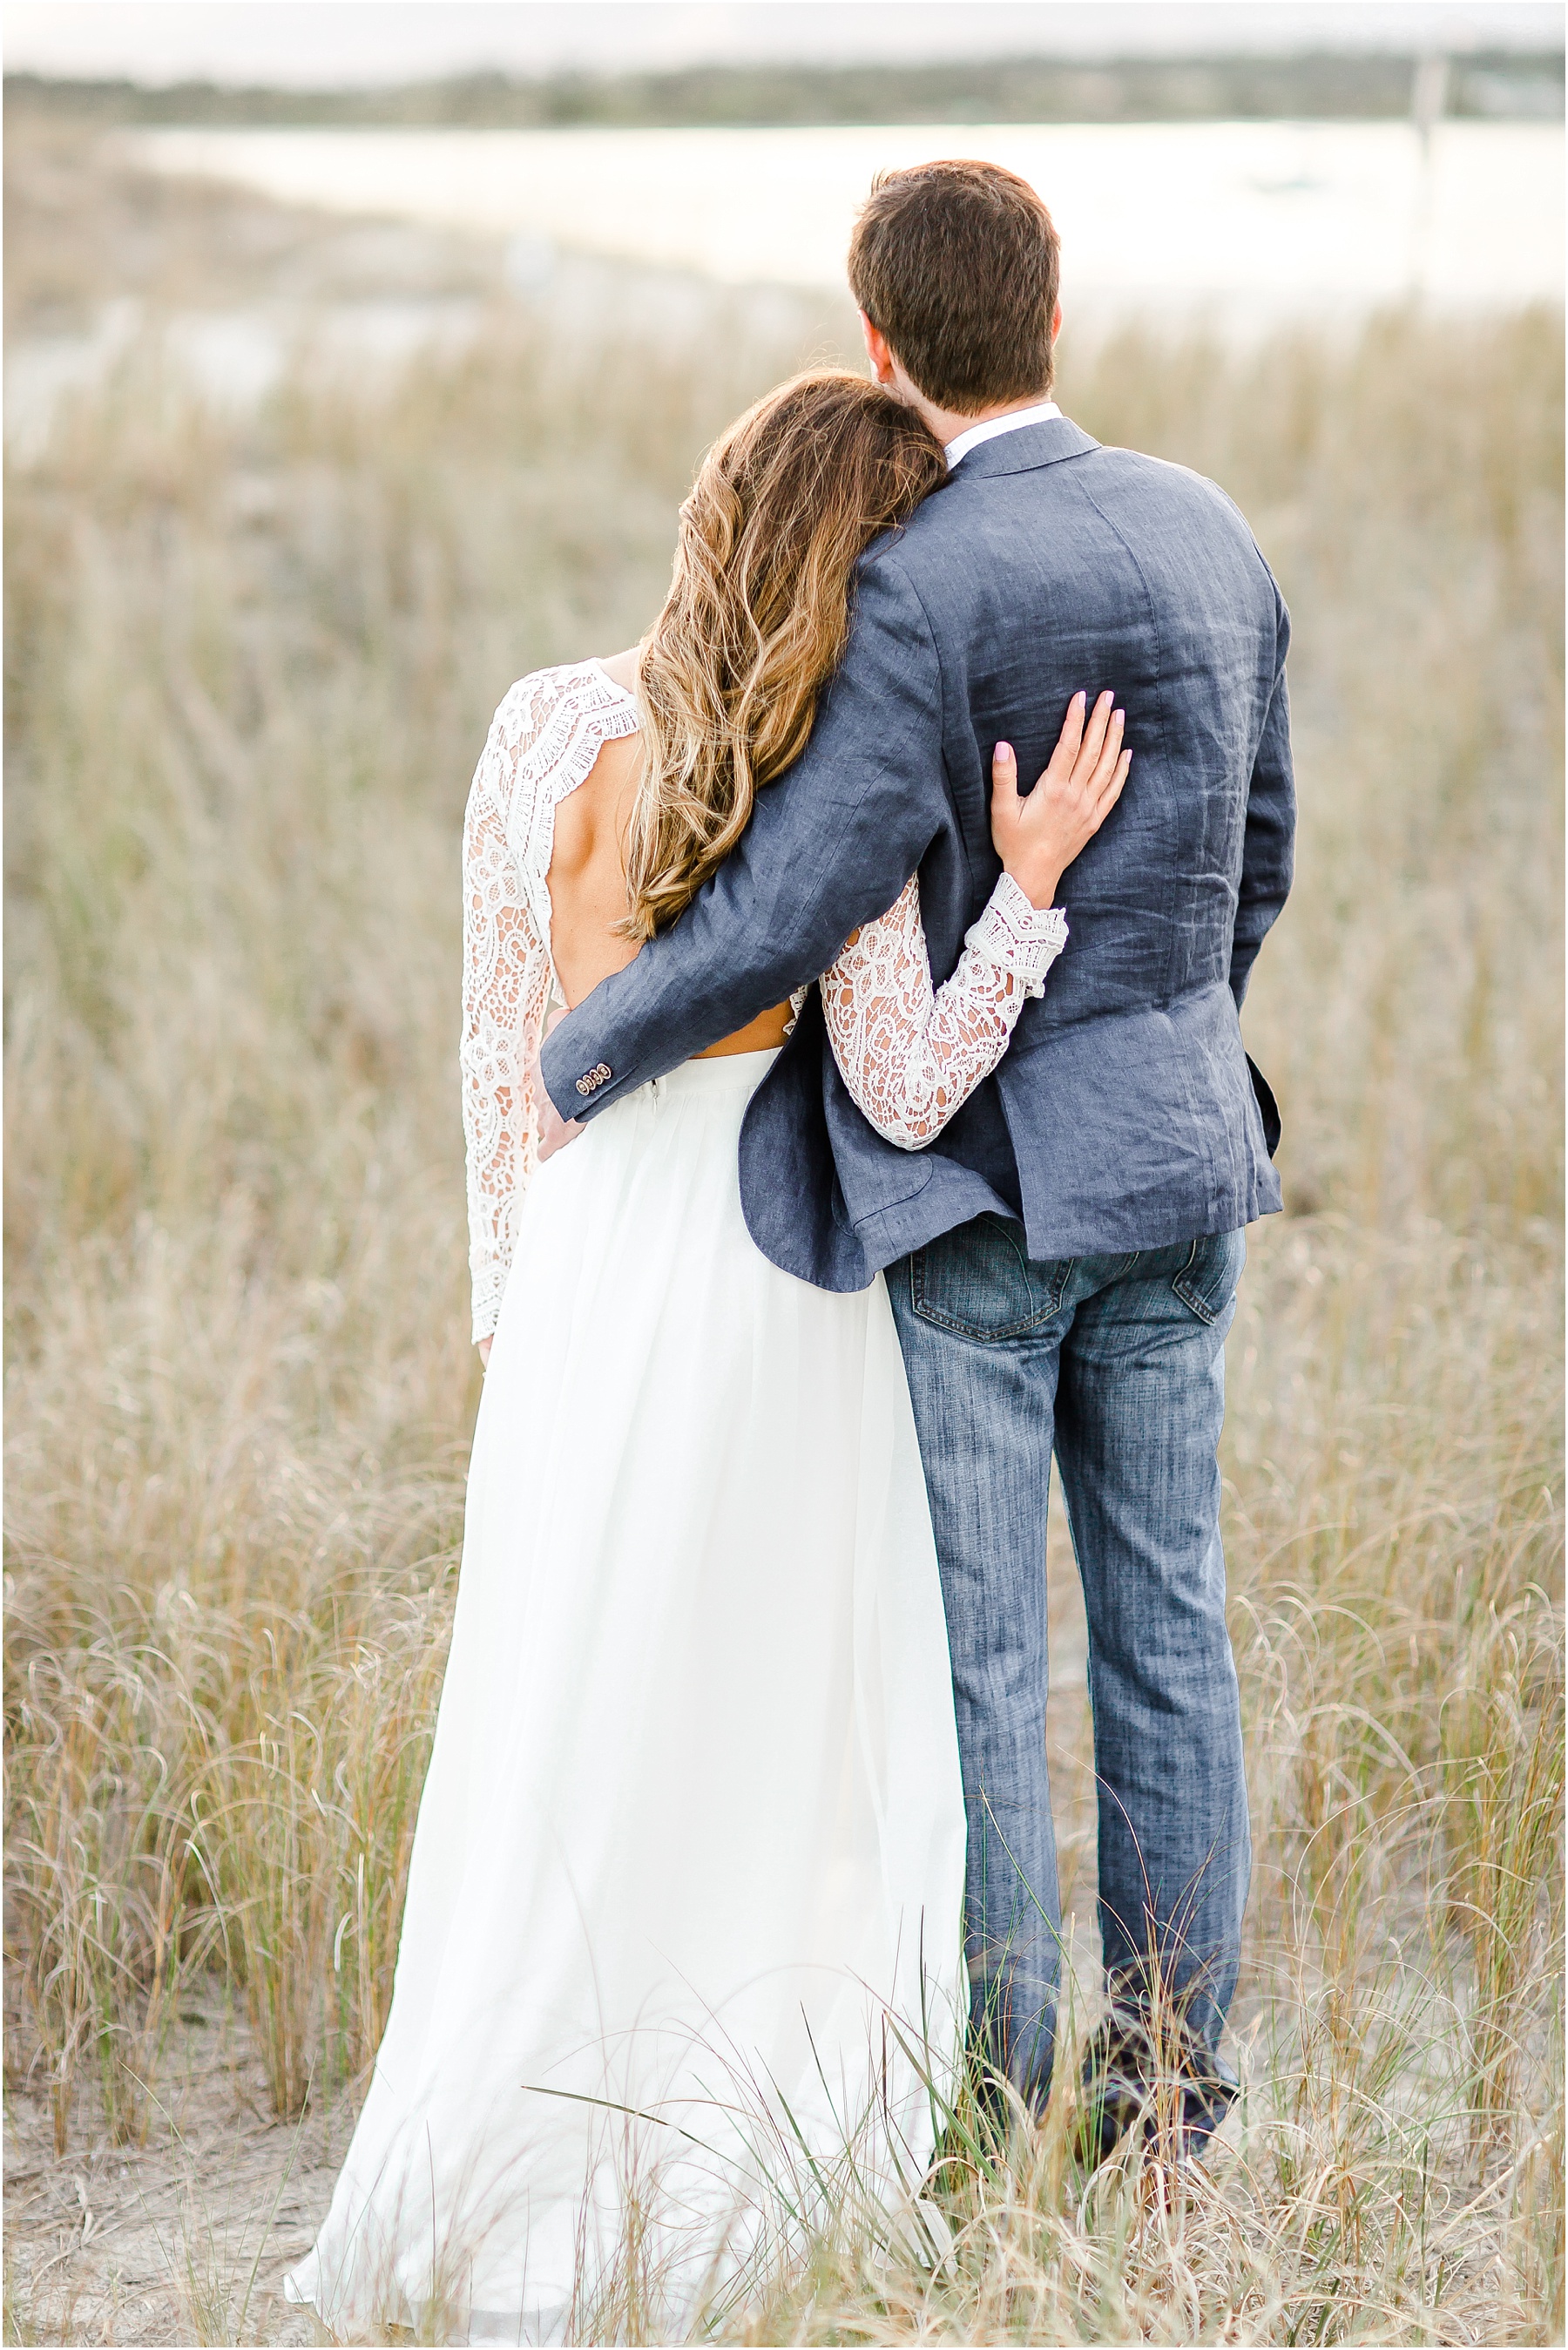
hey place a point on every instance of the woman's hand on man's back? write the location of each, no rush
(1038, 834)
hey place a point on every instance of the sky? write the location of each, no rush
(324, 43)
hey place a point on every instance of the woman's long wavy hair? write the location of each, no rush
(757, 616)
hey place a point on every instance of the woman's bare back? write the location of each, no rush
(588, 880)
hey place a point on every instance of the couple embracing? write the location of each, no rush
(904, 885)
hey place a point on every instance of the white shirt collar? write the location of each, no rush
(1042, 411)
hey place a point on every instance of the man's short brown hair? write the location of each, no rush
(958, 264)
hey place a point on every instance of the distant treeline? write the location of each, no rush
(1496, 84)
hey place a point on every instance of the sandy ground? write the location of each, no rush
(183, 2240)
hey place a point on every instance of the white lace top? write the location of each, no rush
(910, 1054)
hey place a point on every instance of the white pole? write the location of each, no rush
(1428, 104)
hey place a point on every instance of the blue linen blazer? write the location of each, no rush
(1123, 1114)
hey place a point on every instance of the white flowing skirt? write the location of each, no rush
(682, 1929)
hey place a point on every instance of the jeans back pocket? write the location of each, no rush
(1207, 1282)
(981, 1280)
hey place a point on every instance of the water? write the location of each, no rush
(1242, 222)
(1238, 225)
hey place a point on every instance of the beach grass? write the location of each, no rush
(251, 659)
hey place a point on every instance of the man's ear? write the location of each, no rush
(878, 351)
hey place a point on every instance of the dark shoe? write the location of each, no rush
(1124, 2073)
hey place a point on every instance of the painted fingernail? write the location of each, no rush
(1004, 750)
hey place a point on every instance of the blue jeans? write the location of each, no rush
(1117, 1363)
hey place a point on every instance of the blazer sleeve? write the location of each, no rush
(830, 846)
(1268, 854)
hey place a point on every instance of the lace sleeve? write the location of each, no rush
(910, 1054)
(506, 984)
